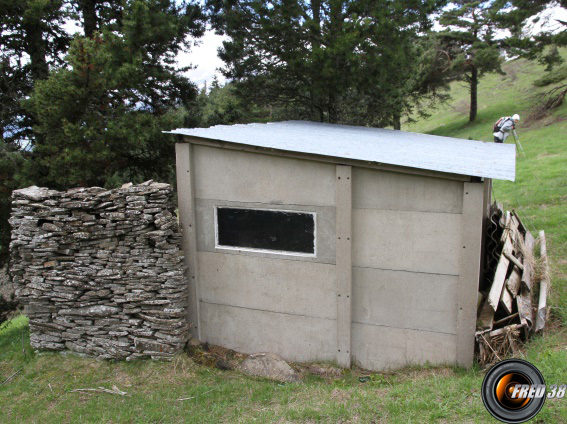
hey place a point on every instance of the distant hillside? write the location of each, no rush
(540, 191)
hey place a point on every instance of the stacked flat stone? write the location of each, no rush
(100, 272)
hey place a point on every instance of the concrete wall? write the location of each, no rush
(254, 301)
(389, 292)
(406, 258)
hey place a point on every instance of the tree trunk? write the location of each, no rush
(36, 49)
(335, 25)
(397, 118)
(474, 94)
(88, 9)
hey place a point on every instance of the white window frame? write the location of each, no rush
(274, 252)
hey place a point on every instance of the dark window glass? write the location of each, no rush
(265, 229)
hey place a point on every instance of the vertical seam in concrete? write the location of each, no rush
(469, 275)
(186, 202)
(344, 264)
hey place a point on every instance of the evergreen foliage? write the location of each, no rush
(32, 39)
(469, 43)
(333, 61)
(100, 119)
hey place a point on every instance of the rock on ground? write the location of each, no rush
(268, 365)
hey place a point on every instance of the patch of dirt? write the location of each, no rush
(511, 69)
(326, 371)
(533, 124)
(546, 155)
(340, 396)
(215, 356)
(427, 373)
(463, 107)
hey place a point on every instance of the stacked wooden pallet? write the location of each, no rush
(513, 302)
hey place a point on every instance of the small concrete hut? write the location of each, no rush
(336, 243)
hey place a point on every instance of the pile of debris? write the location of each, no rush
(513, 298)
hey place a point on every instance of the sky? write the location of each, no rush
(205, 59)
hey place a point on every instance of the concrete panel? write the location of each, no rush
(469, 271)
(405, 300)
(344, 264)
(325, 230)
(382, 348)
(291, 287)
(293, 337)
(407, 241)
(248, 177)
(186, 202)
(373, 189)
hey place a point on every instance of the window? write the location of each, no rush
(278, 231)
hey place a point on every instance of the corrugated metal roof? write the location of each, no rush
(422, 151)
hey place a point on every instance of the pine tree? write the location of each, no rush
(101, 118)
(333, 61)
(32, 39)
(469, 41)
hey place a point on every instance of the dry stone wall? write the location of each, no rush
(100, 272)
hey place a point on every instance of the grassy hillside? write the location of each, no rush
(539, 194)
(42, 390)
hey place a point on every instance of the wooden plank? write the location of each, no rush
(514, 282)
(186, 202)
(486, 318)
(516, 232)
(506, 300)
(543, 286)
(499, 277)
(469, 271)
(521, 226)
(505, 329)
(514, 260)
(505, 223)
(524, 303)
(343, 186)
(528, 253)
(503, 320)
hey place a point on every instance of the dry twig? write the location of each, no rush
(115, 391)
(12, 376)
(193, 397)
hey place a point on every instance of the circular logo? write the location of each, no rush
(513, 391)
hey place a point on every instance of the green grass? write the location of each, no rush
(41, 392)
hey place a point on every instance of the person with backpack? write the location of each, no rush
(504, 126)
